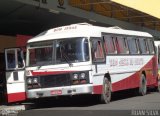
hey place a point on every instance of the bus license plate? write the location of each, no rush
(56, 92)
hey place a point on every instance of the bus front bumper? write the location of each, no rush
(60, 91)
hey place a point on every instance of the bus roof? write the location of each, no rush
(83, 30)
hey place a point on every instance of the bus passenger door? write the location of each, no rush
(15, 80)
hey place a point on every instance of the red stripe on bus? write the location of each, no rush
(127, 83)
(14, 97)
(133, 81)
(97, 89)
(50, 73)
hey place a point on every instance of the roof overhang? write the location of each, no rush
(138, 12)
(33, 16)
(150, 7)
(20, 18)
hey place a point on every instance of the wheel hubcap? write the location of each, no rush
(107, 89)
(144, 86)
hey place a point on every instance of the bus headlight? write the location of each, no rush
(75, 79)
(35, 80)
(29, 81)
(75, 76)
(82, 76)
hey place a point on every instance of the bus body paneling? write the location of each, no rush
(77, 59)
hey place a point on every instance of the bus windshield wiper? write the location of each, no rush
(66, 58)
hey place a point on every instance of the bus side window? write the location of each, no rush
(146, 46)
(151, 47)
(133, 45)
(97, 50)
(122, 45)
(109, 45)
(143, 46)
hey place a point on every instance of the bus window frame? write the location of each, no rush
(114, 44)
(136, 44)
(146, 46)
(97, 60)
(124, 41)
(152, 43)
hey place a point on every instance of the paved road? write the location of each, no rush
(121, 101)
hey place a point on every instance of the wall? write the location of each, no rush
(7, 42)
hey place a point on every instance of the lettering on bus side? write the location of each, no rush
(125, 62)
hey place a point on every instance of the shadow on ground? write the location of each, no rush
(81, 100)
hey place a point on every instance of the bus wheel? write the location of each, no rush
(159, 85)
(106, 92)
(143, 85)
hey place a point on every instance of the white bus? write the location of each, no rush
(86, 59)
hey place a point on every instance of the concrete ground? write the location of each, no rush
(121, 101)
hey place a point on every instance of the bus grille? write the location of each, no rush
(55, 80)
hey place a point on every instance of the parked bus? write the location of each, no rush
(157, 44)
(86, 59)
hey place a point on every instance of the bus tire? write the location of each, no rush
(143, 85)
(158, 88)
(106, 91)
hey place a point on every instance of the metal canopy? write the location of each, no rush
(138, 12)
(150, 7)
(20, 18)
(33, 16)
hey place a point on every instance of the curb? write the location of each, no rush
(11, 110)
(14, 109)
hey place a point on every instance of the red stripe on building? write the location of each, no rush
(21, 40)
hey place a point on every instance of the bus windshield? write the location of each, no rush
(60, 51)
